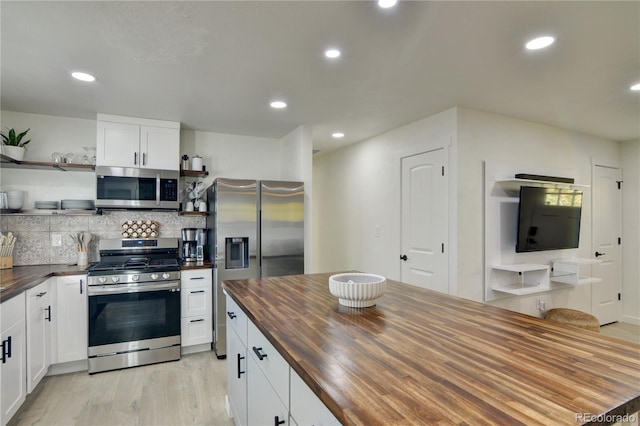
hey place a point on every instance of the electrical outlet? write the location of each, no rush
(56, 240)
(541, 304)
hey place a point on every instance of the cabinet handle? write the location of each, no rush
(6, 350)
(80, 286)
(196, 278)
(259, 354)
(198, 320)
(144, 158)
(240, 372)
(277, 421)
(135, 158)
(231, 315)
(41, 294)
(4, 353)
(197, 291)
(48, 309)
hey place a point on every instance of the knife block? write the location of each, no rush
(6, 262)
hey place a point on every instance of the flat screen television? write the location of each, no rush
(548, 219)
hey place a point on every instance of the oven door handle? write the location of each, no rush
(133, 288)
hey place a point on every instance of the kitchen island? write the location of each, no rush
(422, 357)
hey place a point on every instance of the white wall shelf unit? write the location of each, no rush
(521, 278)
(510, 274)
(572, 271)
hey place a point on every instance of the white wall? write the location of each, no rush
(491, 137)
(358, 188)
(631, 232)
(233, 156)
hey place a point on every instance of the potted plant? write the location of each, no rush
(13, 144)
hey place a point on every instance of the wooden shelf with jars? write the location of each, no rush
(8, 162)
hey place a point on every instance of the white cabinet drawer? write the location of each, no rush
(12, 311)
(195, 278)
(272, 364)
(196, 330)
(196, 301)
(237, 319)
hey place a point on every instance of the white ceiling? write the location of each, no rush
(216, 65)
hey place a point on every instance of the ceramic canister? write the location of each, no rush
(196, 163)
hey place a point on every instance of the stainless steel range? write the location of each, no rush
(134, 304)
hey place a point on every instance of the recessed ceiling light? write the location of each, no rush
(635, 87)
(387, 3)
(338, 135)
(540, 43)
(332, 53)
(82, 76)
(278, 104)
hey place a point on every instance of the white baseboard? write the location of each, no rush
(68, 367)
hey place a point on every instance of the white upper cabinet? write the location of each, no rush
(137, 142)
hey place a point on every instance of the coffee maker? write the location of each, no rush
(193, 242)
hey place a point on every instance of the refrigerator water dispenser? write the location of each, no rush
(237, 253)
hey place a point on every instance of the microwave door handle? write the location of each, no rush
(157, 189)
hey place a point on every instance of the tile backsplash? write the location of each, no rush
(34, 232)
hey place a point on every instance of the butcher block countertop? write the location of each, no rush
(21, 278)
(421, 357)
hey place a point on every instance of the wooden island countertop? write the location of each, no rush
(421, 357)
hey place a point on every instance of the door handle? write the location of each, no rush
(404, 257)
(600, 254)
(277, 421)
(231, 315)
(48, 309)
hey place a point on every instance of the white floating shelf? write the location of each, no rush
(515, 184)
(518, 289)
(521, 267)
(530, 278)
(568, 271)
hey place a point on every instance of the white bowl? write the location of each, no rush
(357, 290)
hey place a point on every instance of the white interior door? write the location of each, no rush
(607, 229)
(424, 221)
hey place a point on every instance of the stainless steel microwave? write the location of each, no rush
(132, 188)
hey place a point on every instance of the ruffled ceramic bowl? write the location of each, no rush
(357, 290)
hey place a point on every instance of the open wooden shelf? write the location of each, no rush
(8, 162)
(194, 173)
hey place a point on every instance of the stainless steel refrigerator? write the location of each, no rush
(257, 230)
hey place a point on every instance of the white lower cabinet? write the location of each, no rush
(264, 406)
(39, 328)
(196, 306)
(237, 377)
(13, 357)
(306, 408)
(261, 386)
(71, 341)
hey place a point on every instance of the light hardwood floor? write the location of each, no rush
(186, 392)
(190, 391)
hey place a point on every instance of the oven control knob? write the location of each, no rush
(154, 276)
(135, 277)
(166, 275)
(102, 280)
(115, 278)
